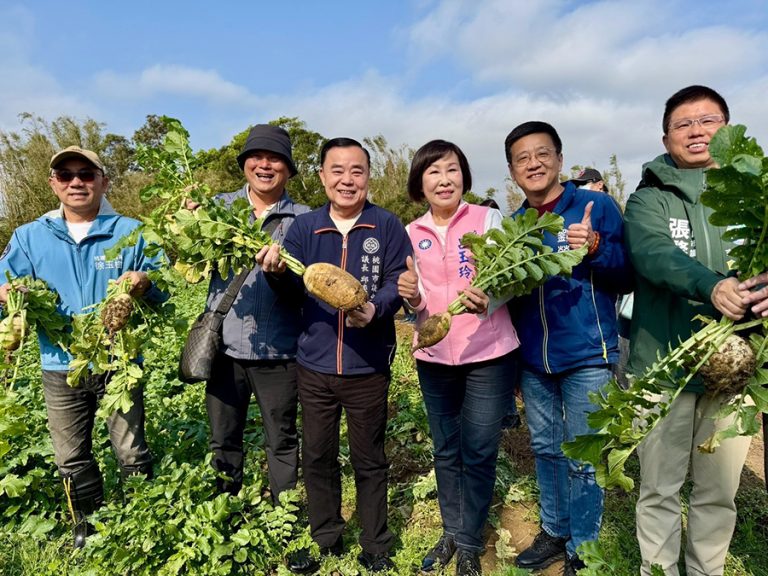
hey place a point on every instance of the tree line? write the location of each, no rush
(25, 154)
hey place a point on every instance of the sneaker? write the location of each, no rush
(468, 563)
(572, 566)
(375, 562)
(544, 551)
(440, 554)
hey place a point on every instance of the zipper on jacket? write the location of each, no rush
(545, 332)
(342, 316)
(700, 209)
(597, 316)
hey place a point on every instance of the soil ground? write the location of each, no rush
(521, 518)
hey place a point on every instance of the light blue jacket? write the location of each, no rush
(79, 273)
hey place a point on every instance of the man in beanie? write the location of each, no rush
(65, 247)
(260, 331)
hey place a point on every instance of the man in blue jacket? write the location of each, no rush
(65, 247)
(344, 357)
(258, 348)
(568, 341)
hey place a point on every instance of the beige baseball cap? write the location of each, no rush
(77, 152)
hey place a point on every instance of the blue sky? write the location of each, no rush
(411, 70)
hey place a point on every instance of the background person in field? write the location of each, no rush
(344, 357)
(568, 341)
(65, 247)
(590, 179)
(466, 379)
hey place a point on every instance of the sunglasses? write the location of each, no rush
(85, 175)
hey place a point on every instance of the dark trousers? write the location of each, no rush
(364, 398)
(465, 406)
(227, 396)
(71, 415)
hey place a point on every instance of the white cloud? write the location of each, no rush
(598, 71)
(181, 81)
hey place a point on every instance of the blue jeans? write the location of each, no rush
(465, 406)
(556, 408)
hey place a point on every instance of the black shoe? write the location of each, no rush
(440, 554)
(572, 566)
(544, 551)
(302, 562)
(468, 563)
(335, 549)
(375, 562)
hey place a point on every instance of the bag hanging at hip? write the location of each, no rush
(204, 337)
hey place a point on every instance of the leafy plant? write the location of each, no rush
(212, 236)
(509, 261)
(97, 347)
(177, 524)
(30, 305)
(736, 190)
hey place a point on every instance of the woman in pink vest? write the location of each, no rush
(467, 378)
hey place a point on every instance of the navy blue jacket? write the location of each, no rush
(262, 324)
(374, 252)
(571, 322)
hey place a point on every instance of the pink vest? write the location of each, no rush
(444, 270)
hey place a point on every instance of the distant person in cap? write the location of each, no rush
(65, 247)
(590, 179)
(260, 331)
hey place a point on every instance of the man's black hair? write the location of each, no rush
(692, 94)
(528, 128)
(341, 143)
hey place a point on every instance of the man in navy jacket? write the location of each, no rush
(568, 341)
(344, 357)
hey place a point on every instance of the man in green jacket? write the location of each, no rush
(681, 270)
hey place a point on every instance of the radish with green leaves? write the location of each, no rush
(732, 366)
(214, 235)
(509, 261)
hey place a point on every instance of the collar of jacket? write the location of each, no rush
(662, 172)
(428, 221)
(103, 224)
(566, 198)
(285, 205)
(366, 219)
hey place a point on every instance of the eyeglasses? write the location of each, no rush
(544, 155)
(706, 122)
(84, 175)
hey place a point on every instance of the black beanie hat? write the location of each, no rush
(271, 139)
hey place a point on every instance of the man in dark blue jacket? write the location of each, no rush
(568, 341)
(344, 357)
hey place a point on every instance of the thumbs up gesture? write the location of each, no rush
(582, 233)
(408, 283)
